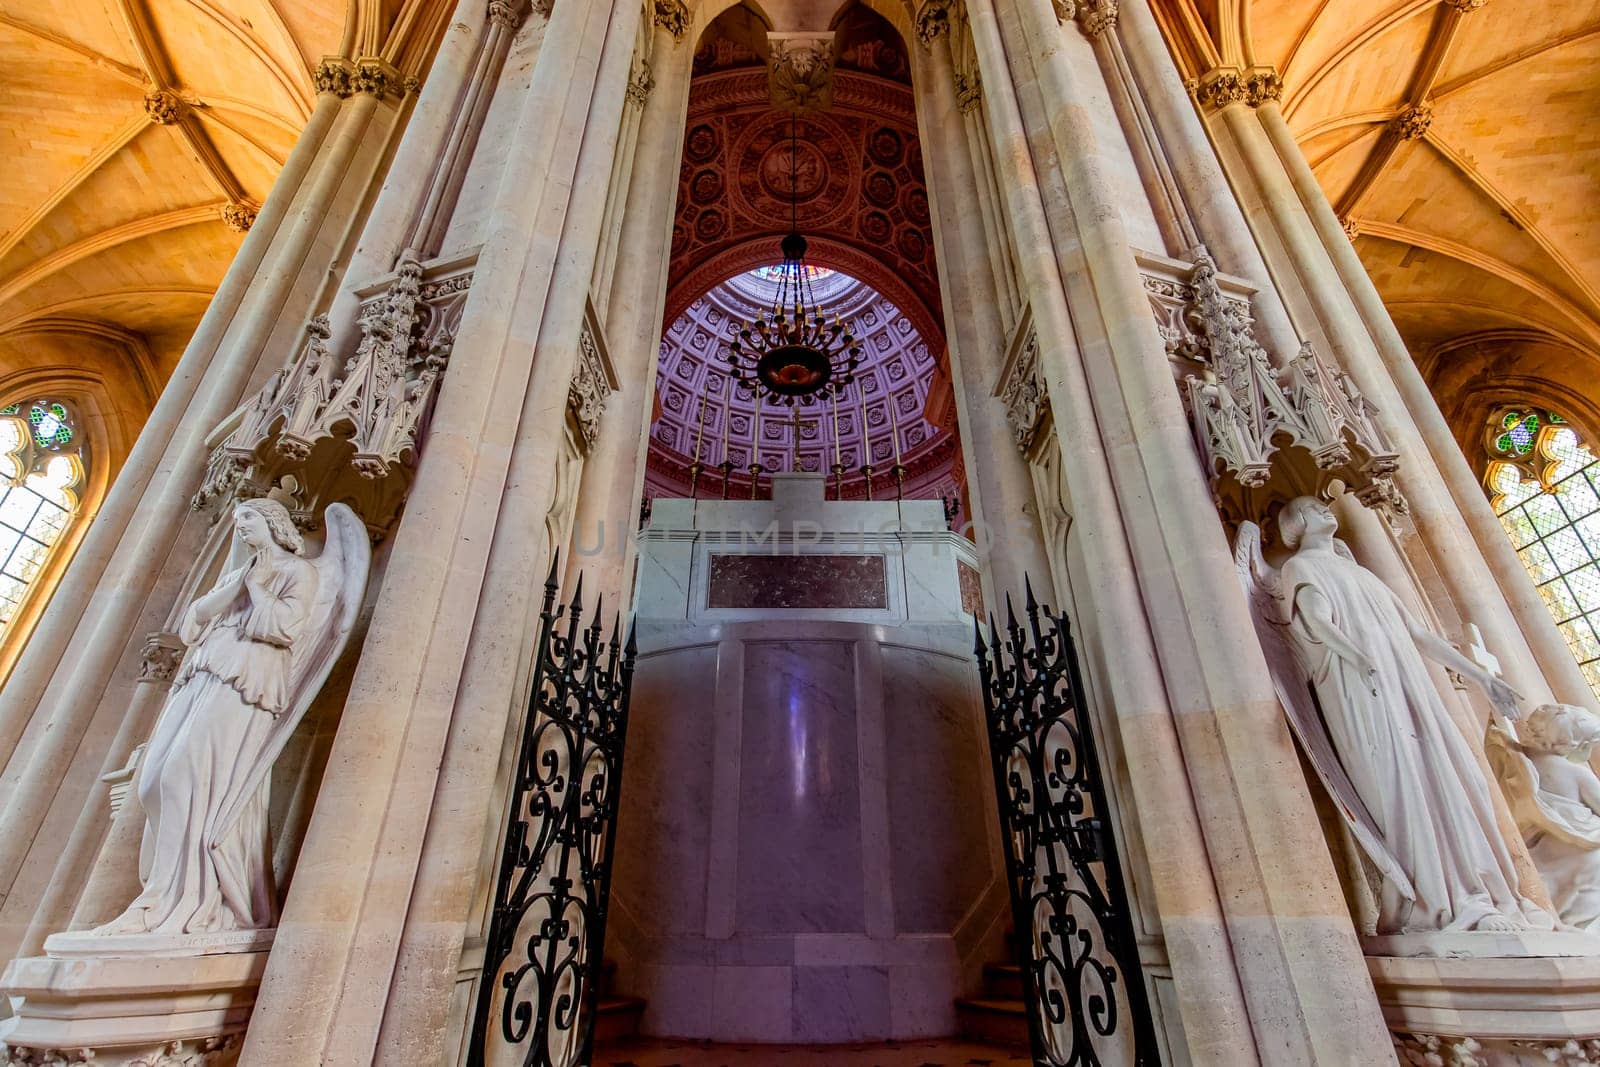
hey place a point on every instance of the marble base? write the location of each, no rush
(1488, 1011)
(1482, 944)
(86, 944)
(139, 1009)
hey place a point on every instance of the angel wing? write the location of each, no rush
(1270, 612)
(341, 583)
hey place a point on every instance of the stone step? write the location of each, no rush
(618, 1018)
(1002, 981)
(998, 1021)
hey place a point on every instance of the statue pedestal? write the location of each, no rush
(1492, 1011)
(134, 999)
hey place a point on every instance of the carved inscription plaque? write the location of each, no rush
(805, 581)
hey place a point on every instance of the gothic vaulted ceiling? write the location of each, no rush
(1458, 139)
(140, 136)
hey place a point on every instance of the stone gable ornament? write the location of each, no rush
(261, 643)
(1346, 657)
(1543, 766)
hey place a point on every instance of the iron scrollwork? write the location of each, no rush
(542, 960)
(1074, 934)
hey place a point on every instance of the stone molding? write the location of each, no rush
(1249, 417)
(593, 380)
(326, 428)
(1021, 386)
(673, 17)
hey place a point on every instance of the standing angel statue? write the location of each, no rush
(260, 645)
(1384, 744)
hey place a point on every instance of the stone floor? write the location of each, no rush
(648, 1052)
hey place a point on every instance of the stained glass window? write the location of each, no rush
(1545, 485)
(41, 470)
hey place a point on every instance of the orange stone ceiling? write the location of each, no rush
(1482, 232)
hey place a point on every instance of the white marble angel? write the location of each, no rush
(1543, 764)
(1384, 744)
(261, 643)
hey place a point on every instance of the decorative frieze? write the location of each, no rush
(1436, 1050)
(326, 429)
(1257, 425)
(969, 92)
(673, 17)
(640, 84)
(800, 70)
(1412, 123)
(593, 381)
(1021, 387)
(932, 21)
(165, 107)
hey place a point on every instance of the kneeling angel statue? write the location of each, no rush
(1347, 659)
(1543, 764)
(261, 643)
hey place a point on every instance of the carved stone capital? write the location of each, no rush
(1066, 10)
(1230, 85)
(1352, 228)
(673, 17)
(1412, 123)
(159, 659)
(377, 78)
(165, 107)
(506, 14)
(1465, 6)
(335, 75)
(1097, 16)
(1221, 88)
(932, 21)
(239, 216)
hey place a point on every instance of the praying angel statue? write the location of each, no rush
(260, 643)
(1384, 744)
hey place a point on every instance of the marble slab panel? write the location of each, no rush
(936, 762)
(797, 581)
(971, 588)
(836, 1004)
(799, 793)
(664, 821)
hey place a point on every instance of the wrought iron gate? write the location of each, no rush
(1074, 936)
(543, 956)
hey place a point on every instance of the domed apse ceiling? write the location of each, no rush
(898, 366)
(862, 204)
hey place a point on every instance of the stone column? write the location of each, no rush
(1437, 520)
(608, 501)
(1000, 497)
(448, 631)
(1306, 991)
(1475, 521)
